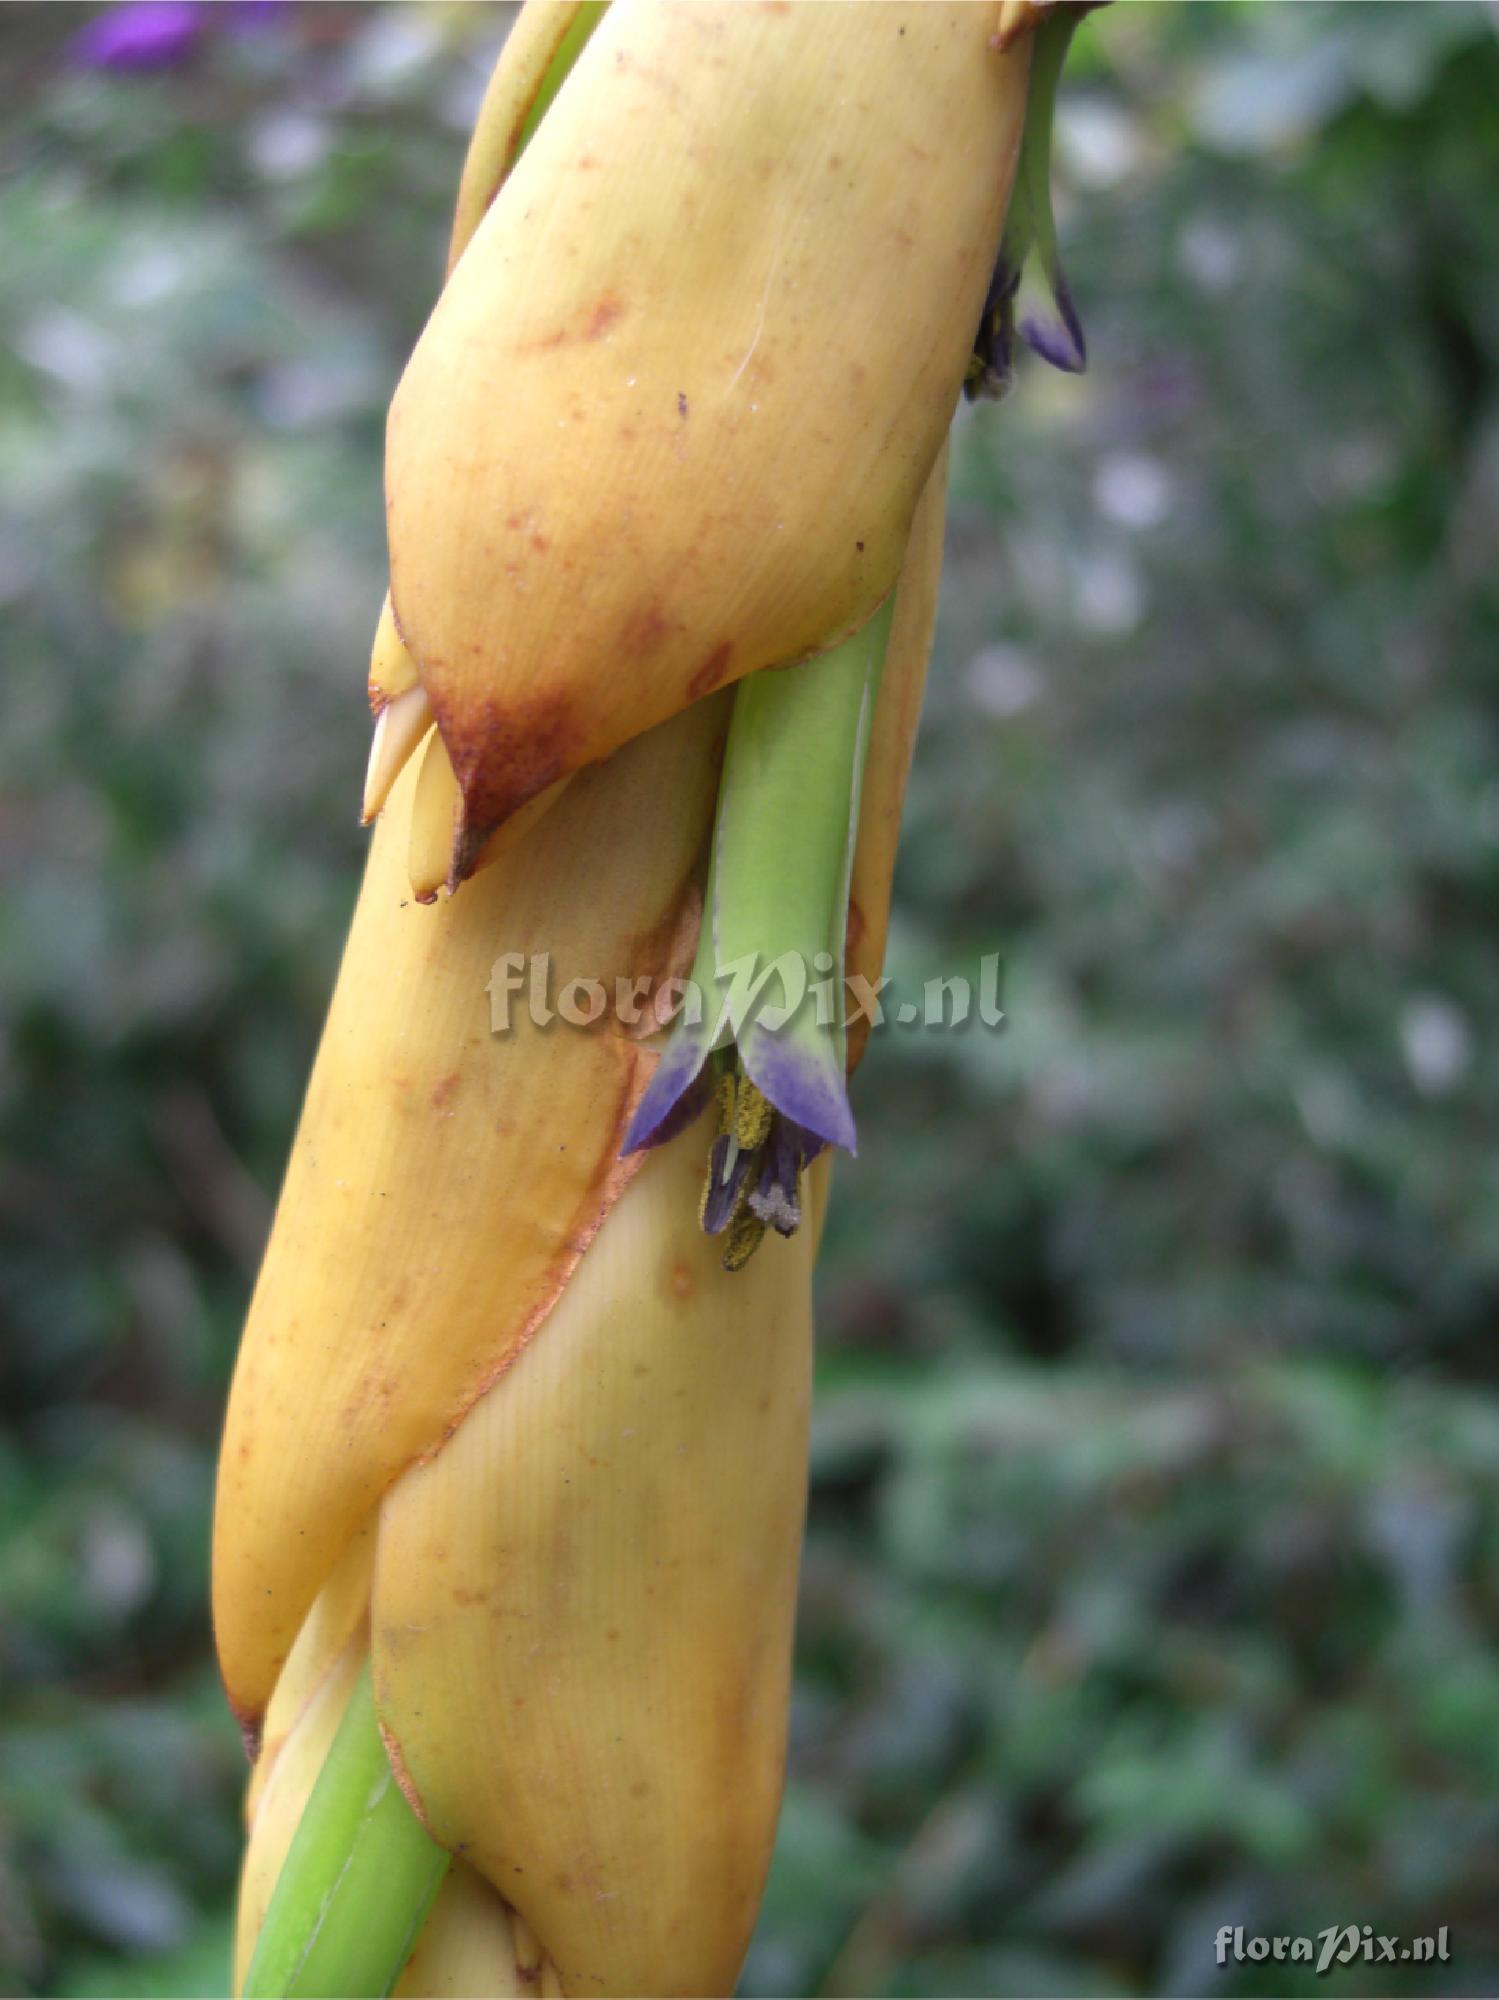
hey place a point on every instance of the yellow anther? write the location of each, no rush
(723, 1106)
(746, 1232)
(752, 1116)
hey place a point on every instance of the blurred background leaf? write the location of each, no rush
(1153, 1573)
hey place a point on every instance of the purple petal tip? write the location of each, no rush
(1057, 336)
(673, 1098)
(803, 1086)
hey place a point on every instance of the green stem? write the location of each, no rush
(569, 49)
(358, 1879)
(788, 810)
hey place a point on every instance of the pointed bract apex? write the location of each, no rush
(434, 815)
(392, 669)
(1017, 18)
(399, 728)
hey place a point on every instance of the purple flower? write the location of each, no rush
(150, 34)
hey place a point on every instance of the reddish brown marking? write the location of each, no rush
(643, 630)
(683, 1284)
(403, 1778)
(446, 1091)
(711, 673)
(503, 755)
(540, 544)
(605, 313)
(856, 928)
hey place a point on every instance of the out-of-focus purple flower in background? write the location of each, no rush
(161, 34)
(151, 34)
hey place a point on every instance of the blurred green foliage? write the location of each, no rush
(1153, 1572)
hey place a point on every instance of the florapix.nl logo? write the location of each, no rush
(773, 992)
(1331, 1948)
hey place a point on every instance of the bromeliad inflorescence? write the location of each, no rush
(511, 1490)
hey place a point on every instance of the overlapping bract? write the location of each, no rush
(589, 1587)
(583, 1604)
(444, 1180)
(669, 421)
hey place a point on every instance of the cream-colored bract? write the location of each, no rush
(671, 416)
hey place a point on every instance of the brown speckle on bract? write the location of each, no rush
(643, 630)
(604, 314)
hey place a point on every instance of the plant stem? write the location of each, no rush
(788, 816)
(568, 50)
(357, 1882)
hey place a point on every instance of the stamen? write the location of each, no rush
(723, 1105)
(753, 1114)
(745, 1238)
(724, 1185)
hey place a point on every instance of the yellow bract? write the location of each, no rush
(583, 1603)
(445, 1179)
(672, 414)
(531, 47)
